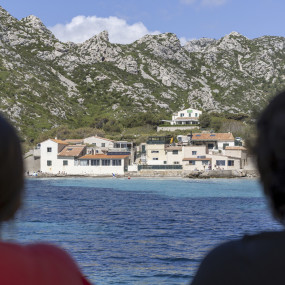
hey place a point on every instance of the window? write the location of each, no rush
(182, 115)
(106, 162)
(164, 162)
(155, 158)
(205, 162)
(176, 162)
(192, 162)
(194, 152)
(65, 162)
(220, 162)
(95, 162)
(175, 152)
(224, 145)
(84, 162)
(49, 163)
(155, 151)
(210, 146)
(49, 149)
(94, 144)
(116, 162)
(231, 162)
(103, 144)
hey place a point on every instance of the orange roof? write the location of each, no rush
(235, 148)
(72, 141)
(196, 159)
(103, 156)
(58, 141)
(72, 150)
(213, 137)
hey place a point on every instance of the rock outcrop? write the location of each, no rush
(45, 82)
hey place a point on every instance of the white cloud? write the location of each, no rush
(82, 28)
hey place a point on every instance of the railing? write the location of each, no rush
(159, 167)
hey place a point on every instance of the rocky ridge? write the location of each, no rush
(45, 82)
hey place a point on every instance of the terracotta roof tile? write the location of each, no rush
(103, 156)
(72, 150)
(235, 148)
(74, 141)
(59, 141)
(213, 137)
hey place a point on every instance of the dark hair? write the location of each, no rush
(270, 151)
(11, 171)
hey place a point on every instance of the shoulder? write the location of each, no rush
(38, 263)
(221, 265)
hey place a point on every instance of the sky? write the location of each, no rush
(129, 20)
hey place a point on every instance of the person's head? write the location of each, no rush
(11, 171)
(270, 151)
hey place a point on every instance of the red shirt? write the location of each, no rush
(37, 264)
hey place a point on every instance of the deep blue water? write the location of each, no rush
(139, 231)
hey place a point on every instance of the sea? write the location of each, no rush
(139, 230)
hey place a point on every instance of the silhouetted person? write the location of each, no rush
(34, 264)
(257, 259)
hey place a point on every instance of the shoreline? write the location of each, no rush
(223, 174)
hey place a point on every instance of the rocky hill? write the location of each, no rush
(46, 83)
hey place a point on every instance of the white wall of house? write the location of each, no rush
(187, 113)
(99, 142)
(225, 162)
(201, 165)
(174, 157)
(155, 154)
(194, 151)
(49, 151)
(72, 166)
(222, 143)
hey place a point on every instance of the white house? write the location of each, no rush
(57, 156)
(215, 142)
(185, 117)
(49, 151)
(99, 142)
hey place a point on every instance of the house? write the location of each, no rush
(99, 142)
(238, 152)
(101, 164)
(155, 153)
(99, 145)
(198, 158)
(185, 117)
(48, 154)
(57, 156)
(174, 155)
(195, 158)
(215, 142)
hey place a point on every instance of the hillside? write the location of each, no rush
(46, 83)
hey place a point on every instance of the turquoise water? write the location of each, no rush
(139, 231)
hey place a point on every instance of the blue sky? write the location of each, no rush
(128, 20)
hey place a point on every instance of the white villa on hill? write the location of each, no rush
(185, 117)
